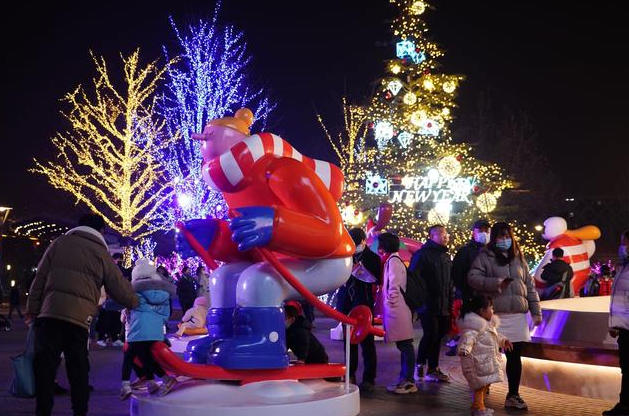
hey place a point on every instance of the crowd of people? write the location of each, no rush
(489, 276)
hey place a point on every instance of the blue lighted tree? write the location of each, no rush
(206, 81)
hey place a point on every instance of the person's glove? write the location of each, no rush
(253, 228)
(202, 230)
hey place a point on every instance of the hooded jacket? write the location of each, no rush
(147, 320)
(519, 296)
(480, 340)
(619, 303)
(305, 346)
(433, 264)
(70, 275)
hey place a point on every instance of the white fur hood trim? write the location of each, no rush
(476, 322)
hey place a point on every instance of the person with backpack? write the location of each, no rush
(433, 265)
(359, 290)
(557, 274)
(398, 318)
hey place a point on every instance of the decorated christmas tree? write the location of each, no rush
(398, 148)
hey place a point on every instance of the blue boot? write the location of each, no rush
(259, 341)
(220, 325)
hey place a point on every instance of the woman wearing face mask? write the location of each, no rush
(501, 272)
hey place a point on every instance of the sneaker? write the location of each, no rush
(367, 387)
(167, 386)
(125, 392)
(515, 402)
(419, 372)
(138, 382)
(618, 410)
(485, 412)
(403, 387)
(102, 343)
(117, 343)
(7, 328)
(436, 375)
(152, 386)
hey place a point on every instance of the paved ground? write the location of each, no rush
(446, 399)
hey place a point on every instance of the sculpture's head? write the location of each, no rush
(222, 133)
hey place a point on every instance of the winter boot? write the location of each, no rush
(220, 326)
(259, 341)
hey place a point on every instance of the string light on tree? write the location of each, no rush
(417, 8)
(410, 98)
(207, 81)
(486, 202)
(110, 160)
(449, 167)
(449, 87)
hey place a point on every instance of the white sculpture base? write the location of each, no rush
(265, 398)
(336, 333)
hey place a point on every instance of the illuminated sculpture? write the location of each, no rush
(578, 246)
(283, 204)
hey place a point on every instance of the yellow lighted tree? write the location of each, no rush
(109, 159)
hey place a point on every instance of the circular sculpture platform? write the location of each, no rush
(265, 398)
(571, 352)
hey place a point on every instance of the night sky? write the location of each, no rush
(562, 63)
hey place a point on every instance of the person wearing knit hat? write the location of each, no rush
(282, 201)
(146, 326)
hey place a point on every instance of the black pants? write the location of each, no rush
(109, 325)
(142, 350)
(623, 355)
(15, 306)
(514, 368)
(368, 347)
(407, 360)
(52, 337)
(435, 327)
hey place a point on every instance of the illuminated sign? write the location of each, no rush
(431, 188)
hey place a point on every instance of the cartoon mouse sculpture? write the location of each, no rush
(282, 201)
(578, 246)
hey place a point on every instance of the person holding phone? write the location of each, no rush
(500, 271)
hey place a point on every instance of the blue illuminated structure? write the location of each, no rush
(206, 81)
(407, 49)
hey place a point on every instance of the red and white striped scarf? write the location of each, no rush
(226, 172)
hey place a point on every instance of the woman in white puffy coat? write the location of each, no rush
(481, 360)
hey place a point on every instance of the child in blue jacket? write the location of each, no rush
(146, 326)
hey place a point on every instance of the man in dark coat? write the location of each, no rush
(300, 340)
(62, 300)
(432, 262)
(359, 290)
(186, 289)
(557, 274)
(464, 257)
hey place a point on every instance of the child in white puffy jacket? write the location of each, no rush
(479, 345)
(195, 317)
